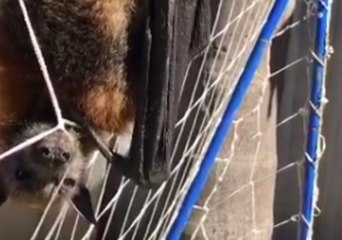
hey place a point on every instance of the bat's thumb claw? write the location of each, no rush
(158, 176)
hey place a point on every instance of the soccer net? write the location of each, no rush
(238, 200)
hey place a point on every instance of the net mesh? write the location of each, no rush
(237, 202)
(267, 144)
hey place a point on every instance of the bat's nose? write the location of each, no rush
(55, 155)
(55, 150)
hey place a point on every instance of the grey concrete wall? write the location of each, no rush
(242, 205)
(242, 202)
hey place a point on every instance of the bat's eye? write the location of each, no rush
(22, 175)
(45, 151)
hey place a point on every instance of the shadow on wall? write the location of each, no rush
(328, 225)
(292, 90)
(291, 87)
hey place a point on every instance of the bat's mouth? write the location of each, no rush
(67, 186)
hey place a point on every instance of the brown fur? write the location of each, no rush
(95, 103)
(20, 86)
(85, 45)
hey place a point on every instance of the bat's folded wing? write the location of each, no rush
(154, 123)
(175, 31)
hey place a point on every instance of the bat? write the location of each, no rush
(33, 174)
(112, 63)
(109, 64)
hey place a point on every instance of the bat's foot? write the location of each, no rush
(149, 174)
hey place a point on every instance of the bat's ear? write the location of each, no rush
(81, 202)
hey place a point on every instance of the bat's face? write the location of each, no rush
(31, 175)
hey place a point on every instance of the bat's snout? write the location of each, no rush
(54, 151)
(54, 155)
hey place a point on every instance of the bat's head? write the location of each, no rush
(34, 173)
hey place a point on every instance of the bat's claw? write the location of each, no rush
(149, 174)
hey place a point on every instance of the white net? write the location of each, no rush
(237, 203)
(267, 144)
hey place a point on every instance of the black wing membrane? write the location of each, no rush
(164, 65)
(149, 160)
(154, 124)
(156, 118)
(82, 204)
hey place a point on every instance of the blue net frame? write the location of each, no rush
(314, 127)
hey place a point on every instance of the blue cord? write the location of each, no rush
(314, 128)
(223, 129)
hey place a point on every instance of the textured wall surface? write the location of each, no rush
(242, 206)
(242, 203)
